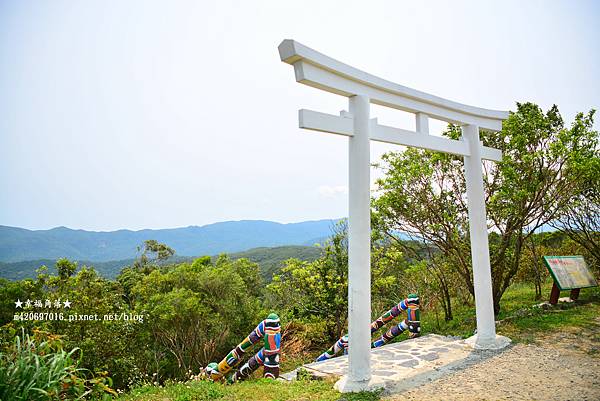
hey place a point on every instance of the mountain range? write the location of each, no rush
(19, 244)
(269, 259)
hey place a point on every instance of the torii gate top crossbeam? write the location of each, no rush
(320, 71)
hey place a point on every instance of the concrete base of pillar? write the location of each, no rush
(346, 386)
(488, 344)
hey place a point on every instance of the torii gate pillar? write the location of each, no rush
(359, 243)
(480, 255)
(322, 72)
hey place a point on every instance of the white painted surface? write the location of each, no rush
(480, 254)
(323, 122)
(322, 72)
(359, 244)
(342, 125)
(498, 343)
(422, 123)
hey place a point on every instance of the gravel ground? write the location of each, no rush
(560, 366)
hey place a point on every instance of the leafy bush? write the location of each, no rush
(315, 294)
(198, 311)
(39, 369)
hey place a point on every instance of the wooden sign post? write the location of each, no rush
(568, 273)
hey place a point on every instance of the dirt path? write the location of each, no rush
(560, 366)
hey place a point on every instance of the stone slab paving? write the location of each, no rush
(404, 365)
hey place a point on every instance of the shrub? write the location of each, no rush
(37, 368)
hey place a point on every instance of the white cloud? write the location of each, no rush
(328, 191)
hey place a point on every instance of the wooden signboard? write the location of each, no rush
(568, 273)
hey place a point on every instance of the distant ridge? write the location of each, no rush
(269, 260)
(19, 244)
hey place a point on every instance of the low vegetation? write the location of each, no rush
(38, 368)
(522, 320)
(269, 260)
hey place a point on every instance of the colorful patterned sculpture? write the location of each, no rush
(268, 356)
(412, 323)
(340, 345)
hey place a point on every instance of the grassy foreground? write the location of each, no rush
(520, 320)
(257, 389)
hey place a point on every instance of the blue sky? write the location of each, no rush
(153, 114)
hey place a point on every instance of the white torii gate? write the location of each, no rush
(322, 72)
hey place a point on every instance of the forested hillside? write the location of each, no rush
(269, 260)
(27, 268)
(18, 244)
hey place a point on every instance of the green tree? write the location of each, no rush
(423, 193)
(11, 291)
(152, 254)
(198, 311)
(581, 219)
(317, 292)
(108, 345)
(65, 268)
(201, 261)
(318, 289)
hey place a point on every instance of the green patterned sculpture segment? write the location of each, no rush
(412, 323)
(270, 331)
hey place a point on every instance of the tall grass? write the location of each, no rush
(41, 370)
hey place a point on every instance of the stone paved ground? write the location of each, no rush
(560, 366)
(400, 366)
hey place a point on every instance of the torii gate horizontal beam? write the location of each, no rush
(323, 72)
(344, 125)
(317, 70)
